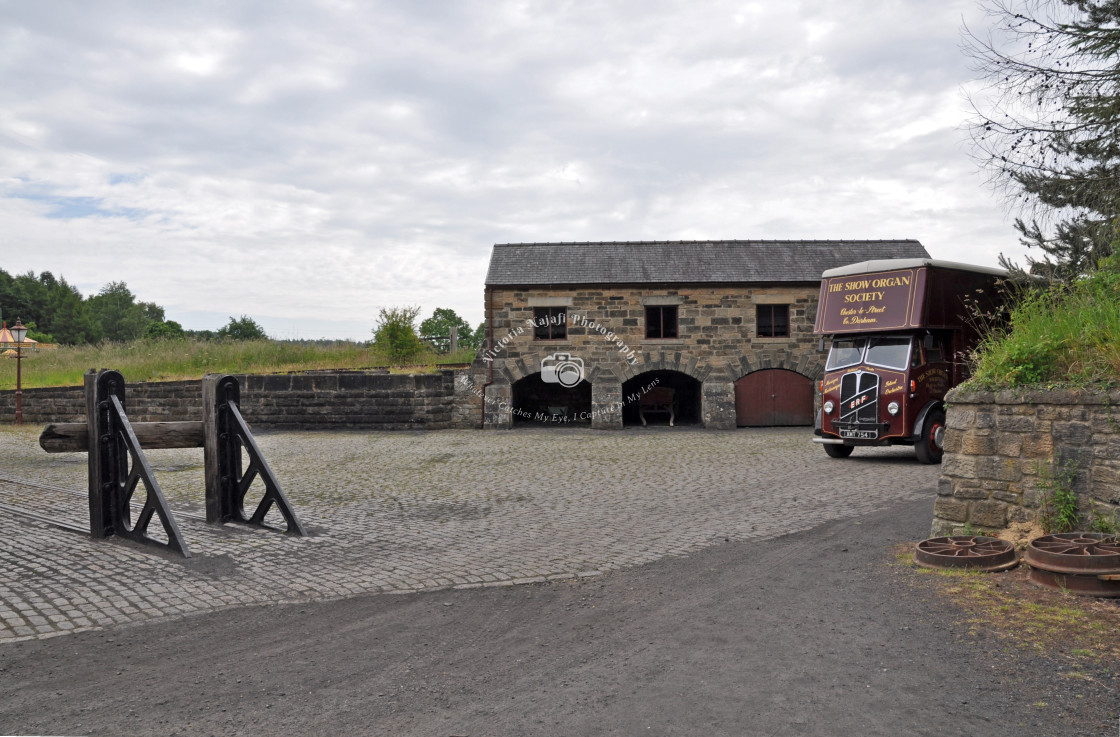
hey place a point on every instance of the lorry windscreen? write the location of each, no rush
(845, 352)
(889, 352)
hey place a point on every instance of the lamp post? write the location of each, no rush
(19, 332)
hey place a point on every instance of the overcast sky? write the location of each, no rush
(306, 163)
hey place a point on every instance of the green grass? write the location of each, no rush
(1064, 335)
(170, 360)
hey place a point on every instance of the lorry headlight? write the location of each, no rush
(893, 408)
(828, 407)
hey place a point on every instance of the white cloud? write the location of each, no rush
(307, 163)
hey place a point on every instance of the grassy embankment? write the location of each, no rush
(1066, 335)
(170, 360)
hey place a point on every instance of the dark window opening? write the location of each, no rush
(550, 323)
(685, 398)
(661, 322)
(772, 321)
(539, 402)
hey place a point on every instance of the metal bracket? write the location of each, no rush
(225, 434)
(116, 468)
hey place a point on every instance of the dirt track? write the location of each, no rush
(816, 633)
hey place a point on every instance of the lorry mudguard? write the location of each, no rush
(920, 420)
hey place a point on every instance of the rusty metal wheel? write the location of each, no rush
(1086, 563)
(975, 552)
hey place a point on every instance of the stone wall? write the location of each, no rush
(307, 401)
(718, 342)
(999, 447)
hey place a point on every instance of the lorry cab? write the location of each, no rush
(899, 339)
(883, 388)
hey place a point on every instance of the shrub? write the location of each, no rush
(395, 335)
(169, 330)
(245, 328)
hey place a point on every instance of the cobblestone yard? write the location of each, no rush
(402, 512)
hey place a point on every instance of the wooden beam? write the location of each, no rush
(73, 437)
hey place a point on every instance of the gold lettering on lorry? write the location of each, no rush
(877, 302)
(863, 297)
(892, 281)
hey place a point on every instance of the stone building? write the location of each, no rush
(595, 333)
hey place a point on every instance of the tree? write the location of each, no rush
(165, 330)
(245, 328)
(1050, 133)
(120, 317)
(57, 308)
(395, 334)
(439, 326)
(70, 318)
(478, 337)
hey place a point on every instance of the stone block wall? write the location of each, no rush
(1000, 445)
(307, 401)
(718, 341)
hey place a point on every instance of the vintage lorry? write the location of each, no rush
(900, 336)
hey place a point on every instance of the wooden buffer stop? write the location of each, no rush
(117, 464)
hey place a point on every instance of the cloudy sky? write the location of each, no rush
(308, 162)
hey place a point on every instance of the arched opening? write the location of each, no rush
(646, 395)
(540, 402)
(773, 397)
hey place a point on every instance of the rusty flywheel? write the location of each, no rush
(1086, 563)
(975, 552)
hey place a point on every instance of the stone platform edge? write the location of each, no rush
(315, 400)
(1001, 445)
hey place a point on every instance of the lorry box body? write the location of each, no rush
(901, 335)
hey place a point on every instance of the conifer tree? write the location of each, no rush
(1049, 131)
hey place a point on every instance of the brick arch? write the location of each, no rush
(524, 367)
(809, 366)
(677, 361)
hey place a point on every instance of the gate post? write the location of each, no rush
(100, 505)
(224, 434)
(212, 452)
(117, 467)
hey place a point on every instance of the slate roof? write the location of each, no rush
(683, 262)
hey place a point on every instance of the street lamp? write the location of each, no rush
(19, 332)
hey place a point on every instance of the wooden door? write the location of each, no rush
(773, 397)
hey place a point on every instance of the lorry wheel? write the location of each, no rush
(835, 450)
(930, 447)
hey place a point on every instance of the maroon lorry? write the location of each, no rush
(900, 340)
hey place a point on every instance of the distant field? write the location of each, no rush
(191, 359)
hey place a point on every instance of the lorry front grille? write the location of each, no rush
(859, 397)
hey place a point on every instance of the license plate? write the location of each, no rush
(859, 434)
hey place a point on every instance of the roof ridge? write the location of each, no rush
(753, 241)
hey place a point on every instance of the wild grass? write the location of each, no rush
(1035, 618)
(1068, 334)
(170, 360)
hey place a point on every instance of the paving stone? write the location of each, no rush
(410, 511)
